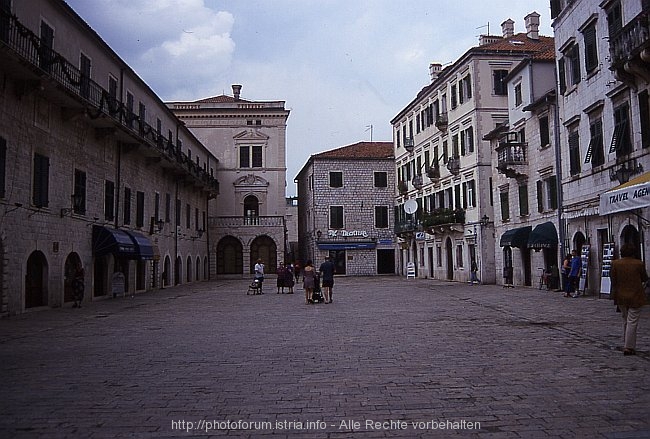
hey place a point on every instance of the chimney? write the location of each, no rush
(532, 25)
(236, 89)
(508, 28)
(434, 70)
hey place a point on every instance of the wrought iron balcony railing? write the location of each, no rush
(631, 40)
(29, 47)
(246, 221)
(442, 217)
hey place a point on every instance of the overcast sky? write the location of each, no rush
(340, 65)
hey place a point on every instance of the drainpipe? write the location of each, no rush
(558, 173)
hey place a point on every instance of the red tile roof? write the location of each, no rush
(360, 150)
(520, 43)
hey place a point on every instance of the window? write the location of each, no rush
(196, 218)
(40, 190)
(465, 89)
(188, 215)
(84, 72)
(621, 139)
(457, 197)
(336, 179)
(614, 19)
(439, 256)
(381, 179)
(505, 205)
(544, 132)
(547, 194)
(499, 85)
(130, 116)
(80, 191)
(574, 150)
(109, 200)
(139, 209)
(178, 212)
(459, 256)
(471, 193)
(569, 67)
(142, 116)
(168, 208)
(454, 101)
(595, 152)
(591, 47)
(127, 205)
(467, 141)
(644, 115)
(112, 94)
(381, 217)
(336, 217)
(518, 98)
(46, 44)
(523, 200)
(3, 165)
(250, 156)
(156, 207)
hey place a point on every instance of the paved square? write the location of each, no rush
(389, 358)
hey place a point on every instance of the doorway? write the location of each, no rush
(450, 259)
(338, 257)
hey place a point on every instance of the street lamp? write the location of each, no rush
(77, 201)
(623, 174)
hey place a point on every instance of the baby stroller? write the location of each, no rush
(255, 287)
(317, 296)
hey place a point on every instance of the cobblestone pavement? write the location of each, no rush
(389, 358)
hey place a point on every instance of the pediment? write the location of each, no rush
(250, 135)
(251, 180)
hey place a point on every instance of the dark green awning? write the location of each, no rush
(543, 236)
(515, 237)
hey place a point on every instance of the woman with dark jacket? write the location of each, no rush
(628, 276)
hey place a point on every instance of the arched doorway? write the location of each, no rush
(178, 270)
(205, 268)
(36, 280)
(251, 209)
(578, 241)
(630, 235)
(166, 271)
(508, 270)
(230, 256)
(197, 275)
(450, 259)
(188, 273)
(264, 248)
(69, 270)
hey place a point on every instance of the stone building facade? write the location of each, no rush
(526, 161)
(603, 59)
(443, 163)
(95, 171)
(345, 209)
(249, 140)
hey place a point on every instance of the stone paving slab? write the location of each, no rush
(389, 358)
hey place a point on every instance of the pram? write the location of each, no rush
(317, 296)
(255, 287)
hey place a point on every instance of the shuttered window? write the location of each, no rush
(3, 165)
(40, 190)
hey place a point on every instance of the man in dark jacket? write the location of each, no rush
(327, 270)
(628, 276)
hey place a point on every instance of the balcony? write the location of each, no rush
(511, 159)
(406, 227)
(246, 221)
(441, 220)
(629, 49)
(442, 122)
(38, 66)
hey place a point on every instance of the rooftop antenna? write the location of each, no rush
(369, 128)
(488, 27)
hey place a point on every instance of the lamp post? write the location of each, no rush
(623, 174)
(483, 222)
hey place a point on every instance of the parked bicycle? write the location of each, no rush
(544, 279)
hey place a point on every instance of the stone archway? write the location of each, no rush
(69, 271)
(264, 248)
(36, 276)
(230, 256)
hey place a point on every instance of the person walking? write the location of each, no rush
(574, 273)
(474, 273)
(78, 285)
(281, 273)
(327, 270)
(308, 281)
(566, 269)
(259, 273)
(288, 278)
(628, 276)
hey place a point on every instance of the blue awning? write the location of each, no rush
(143, 245)
(117, 242)
(347, 245)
